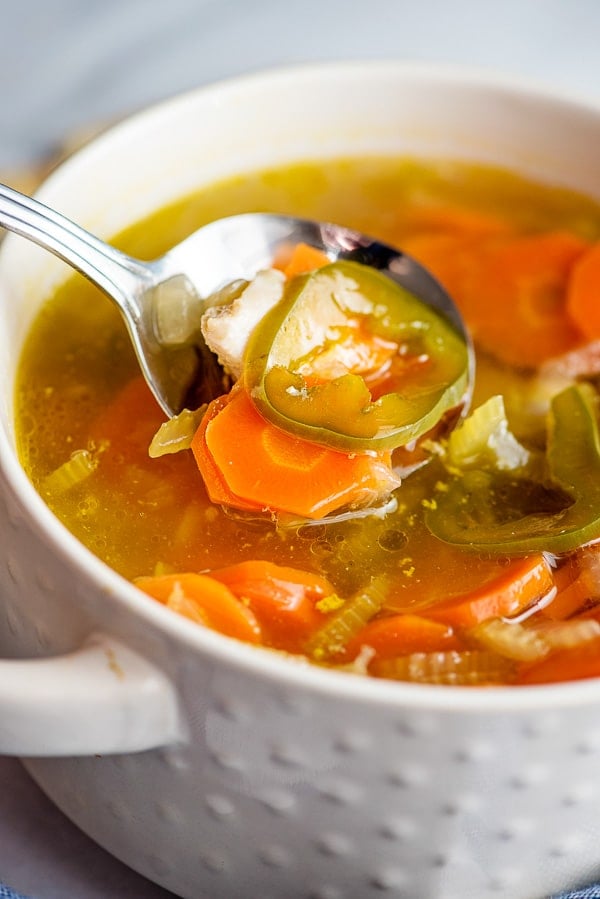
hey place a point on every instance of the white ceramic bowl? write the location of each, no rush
(222, 771)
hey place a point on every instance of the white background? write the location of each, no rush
(68, 65)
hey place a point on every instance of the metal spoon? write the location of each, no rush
(215, 255)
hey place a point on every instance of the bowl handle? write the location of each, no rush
(101, 698)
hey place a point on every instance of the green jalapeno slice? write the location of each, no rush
(511, 513)
(351, 360)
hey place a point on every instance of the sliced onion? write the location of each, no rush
(513, 641)
(360, 664)
(380, 509)
(180, 603)
(176, 433)
(582, 362)
(483, 436)
(569, 634)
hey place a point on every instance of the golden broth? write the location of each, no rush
(141, 515)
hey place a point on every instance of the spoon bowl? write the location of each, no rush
(153, 295)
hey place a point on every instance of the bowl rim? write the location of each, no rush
(289, 671)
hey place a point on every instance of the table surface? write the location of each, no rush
(73, 64)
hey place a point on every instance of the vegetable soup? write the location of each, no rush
(321, 505)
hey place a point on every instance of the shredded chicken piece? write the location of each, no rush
(227, 328)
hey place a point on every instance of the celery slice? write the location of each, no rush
(74, 471)
(332, 638)
(468, 668)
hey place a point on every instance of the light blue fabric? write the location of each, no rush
(591, 892)
(7, 893)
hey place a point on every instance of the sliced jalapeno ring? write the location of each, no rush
(352, 360)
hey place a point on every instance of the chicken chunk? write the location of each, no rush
(227, 327)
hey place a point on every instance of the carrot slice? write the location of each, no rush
(519, 584)
(456, 220)
(564, 665)
(302, 259)
(215, 483)
(578, 584)
(583, 293)
(271, 469)
(401, 634)
(448, 256)
(204, 600)
(518, 311)
(511, 290)
(130, 421)
(517, 308)
(124, 430)
(282, 598)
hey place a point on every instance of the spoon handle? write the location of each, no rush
(121, 277)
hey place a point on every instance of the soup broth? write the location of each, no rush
(80, 395)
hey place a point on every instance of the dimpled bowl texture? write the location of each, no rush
(277, 779)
